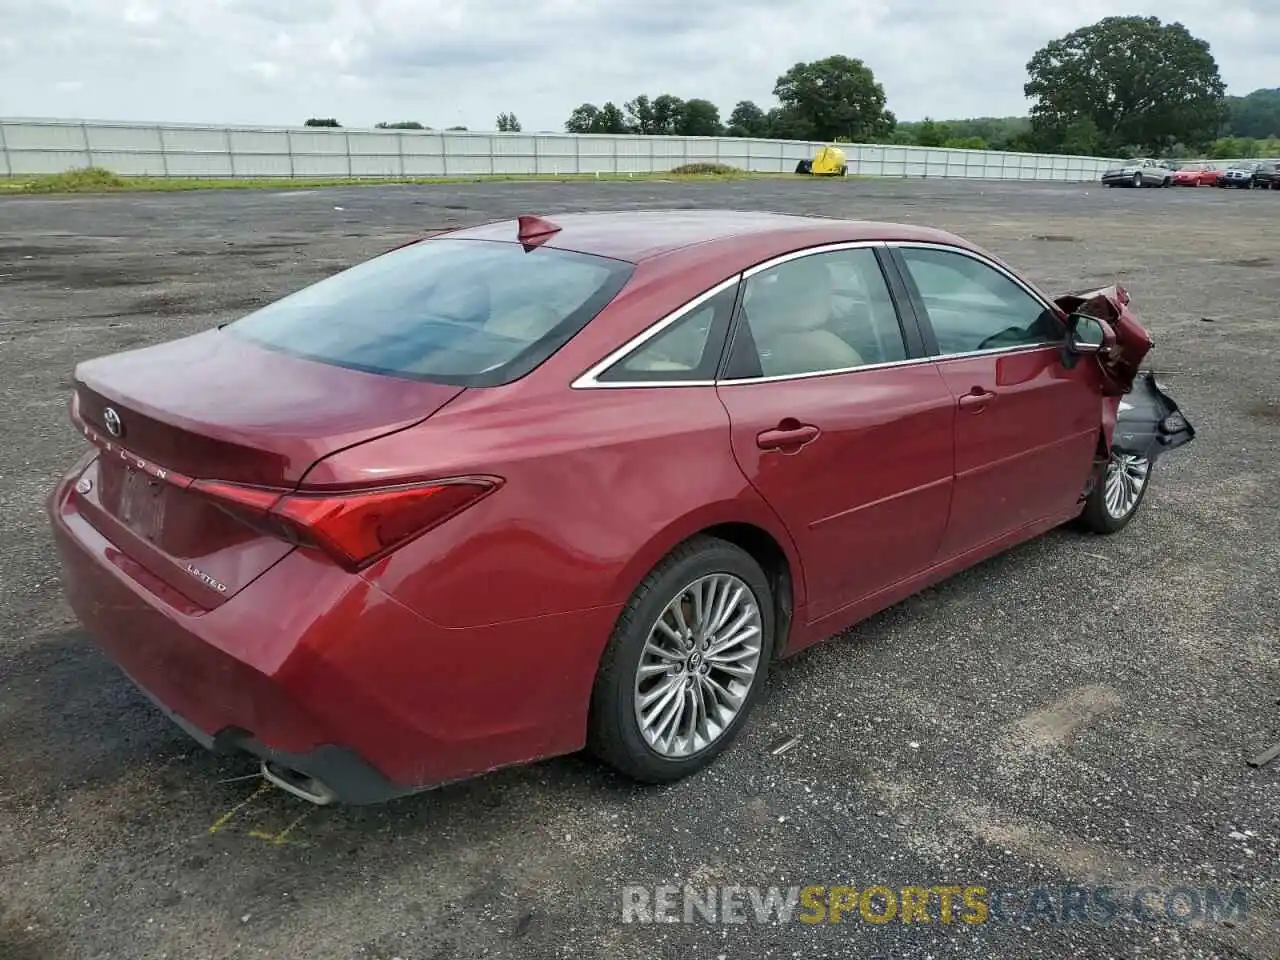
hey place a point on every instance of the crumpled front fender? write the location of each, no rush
(1120, 363)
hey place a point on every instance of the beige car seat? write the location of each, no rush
(528, 322)
(788, 317)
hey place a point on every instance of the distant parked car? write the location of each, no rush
(1266, 175)
(1196, 175)
(1239, 175)
(1143, 172)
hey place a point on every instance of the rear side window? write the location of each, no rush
(466, 312)
(688, 350)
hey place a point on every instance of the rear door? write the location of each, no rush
(838, 423)
(1026, 426)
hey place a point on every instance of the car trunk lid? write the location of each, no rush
(217, 407)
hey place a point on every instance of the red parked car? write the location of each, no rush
(524, 487)
(1196, 175)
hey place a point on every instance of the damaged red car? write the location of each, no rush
(523, 488)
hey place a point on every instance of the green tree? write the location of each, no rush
(400, 125)
(583, 119)
(660, 116)
(322, 122)
(507, 123)
(669, 112)
(589, 118)
(966, 143)
(1080, 138)
(699, 118)
(611, 120)
(747, 120)
(1235, 148)
(835, 96)
(930, 133)
(1256, 116)
(787, 123)
(639, 114)
(1137, 80)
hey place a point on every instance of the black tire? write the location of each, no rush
(1096, 518)
(804, 166)
(614, 734)
(844, 170)
(1138, 181)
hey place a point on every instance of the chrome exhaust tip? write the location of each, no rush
(299, 784)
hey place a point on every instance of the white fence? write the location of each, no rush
(189, 150)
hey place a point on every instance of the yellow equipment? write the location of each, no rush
(827, 162)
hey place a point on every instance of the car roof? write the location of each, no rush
(635, 235)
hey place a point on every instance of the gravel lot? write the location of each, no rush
(1079, 709)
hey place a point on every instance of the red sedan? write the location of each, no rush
(1196, 175)
(526, 487)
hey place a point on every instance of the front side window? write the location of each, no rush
(815, 314)
(973, 306)
(467, 312)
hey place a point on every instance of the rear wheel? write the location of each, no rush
(1137, 179)
(804, 166)
(844, 170)
(1116, 498)
(685, 664)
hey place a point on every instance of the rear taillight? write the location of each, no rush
(356, 528)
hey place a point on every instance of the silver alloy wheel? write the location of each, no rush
(697, 666)
(1126, 476)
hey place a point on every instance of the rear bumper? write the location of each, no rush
(175, 658)
(339, 773)
(316, 671)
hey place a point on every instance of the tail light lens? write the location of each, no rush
(356, 528)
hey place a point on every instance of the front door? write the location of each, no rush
(1026, 426)
(845, 438)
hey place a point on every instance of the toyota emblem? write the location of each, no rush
(112, 421)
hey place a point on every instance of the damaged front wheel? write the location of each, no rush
(1115, 498)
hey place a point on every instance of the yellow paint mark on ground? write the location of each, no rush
(283, 835)
(223, 820)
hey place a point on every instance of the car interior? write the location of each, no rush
(807, 315)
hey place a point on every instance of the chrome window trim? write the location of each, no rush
(910, 362)
(809, 252)
(588, 381)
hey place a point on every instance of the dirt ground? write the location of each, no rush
(1078, 710)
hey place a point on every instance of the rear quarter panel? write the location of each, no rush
(599, 485)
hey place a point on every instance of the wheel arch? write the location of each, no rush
(751, 527)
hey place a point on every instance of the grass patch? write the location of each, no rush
(82, 180)
(97, 180)
(708, 170)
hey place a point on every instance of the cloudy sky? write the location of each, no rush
(446, 62)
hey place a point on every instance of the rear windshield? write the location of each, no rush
(466, 312)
